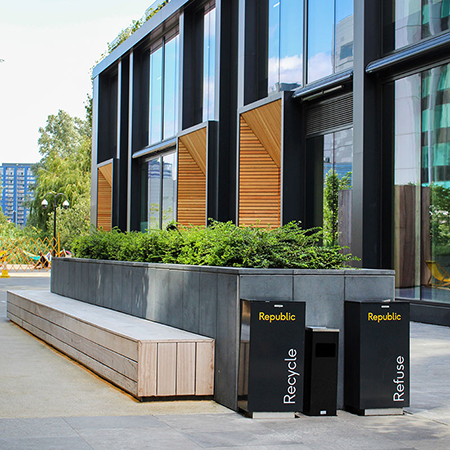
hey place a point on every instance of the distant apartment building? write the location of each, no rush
(16, 180)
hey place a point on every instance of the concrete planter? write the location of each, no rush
(206, 300)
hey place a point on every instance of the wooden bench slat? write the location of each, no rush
(145, 358)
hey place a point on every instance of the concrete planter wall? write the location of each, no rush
(205, 300)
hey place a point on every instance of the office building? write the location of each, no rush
(16, 180)
(332, 112)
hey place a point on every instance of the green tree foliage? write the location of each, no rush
(333, 184)
(72, 222)
(220, 244)
(440, 217)
(65, 166)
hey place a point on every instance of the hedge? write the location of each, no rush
(219, 244)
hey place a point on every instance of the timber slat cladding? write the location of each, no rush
(191, 209)
(259, 180)
(104, 197)
(265, 122)
(144, 358)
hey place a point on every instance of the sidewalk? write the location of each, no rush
(47, 401)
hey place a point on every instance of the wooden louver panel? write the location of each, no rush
(259, 182)
(104, 197)
(195, 143)
(191, 209)
(265, 122)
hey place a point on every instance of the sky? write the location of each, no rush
(48, 48)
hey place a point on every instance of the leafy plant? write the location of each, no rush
(219, 244)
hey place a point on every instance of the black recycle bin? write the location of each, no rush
(321, 371)
(271, 356)
(376, 378)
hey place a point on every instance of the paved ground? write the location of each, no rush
(49, 402)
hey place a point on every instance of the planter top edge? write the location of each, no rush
(236, 270)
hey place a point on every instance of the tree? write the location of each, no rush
(65, 166)
(333, 184)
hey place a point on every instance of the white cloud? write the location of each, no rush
(319, 66)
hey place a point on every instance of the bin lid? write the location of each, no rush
(322, 329)
(373, 300)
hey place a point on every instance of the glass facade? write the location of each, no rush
(171, 80)
(158, 195)
(163, 102)
(330, 37)
(156, 83)
(209, 62)
(422, 185)
(409, 21)
(285, 49)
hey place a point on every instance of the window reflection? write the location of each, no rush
(209, 61)
(330, 37)
(422, 185)
(171, 87)
(159, 200)
(330, 161)
(320, 38)
(413, 20)
(169, 189)
(154, 193)
(163, 103)
(285, 50)
(156, 83)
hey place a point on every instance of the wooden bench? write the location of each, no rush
(144, 358)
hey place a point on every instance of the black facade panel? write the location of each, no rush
(294, 168)
(256, 50)
(120, 218)
(141, 86)
(193, 67)
(107, 116)
(225, 170)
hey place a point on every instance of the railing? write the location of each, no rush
(25, 253)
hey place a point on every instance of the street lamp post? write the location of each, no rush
(44, 205)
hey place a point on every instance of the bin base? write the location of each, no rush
(269, 415)
(376, 411)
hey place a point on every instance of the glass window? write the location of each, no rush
(330, 37)
(158, 195)
(274, 45)
(285, 50)
(154, 193)
(171, 88)
(330, 161)
(169, 189)
(412, 20)
(344, 35)
(156, 83)
(422, 185)
(209, 62)
(320, 38)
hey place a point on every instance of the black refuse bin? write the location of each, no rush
(271, 356)
(321, 371)
(376, 374)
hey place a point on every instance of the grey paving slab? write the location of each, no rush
(136, 439)
(37, 443)
(213, 422)
(109, 422)
(241, 439)
(49, 402)
(37, 428)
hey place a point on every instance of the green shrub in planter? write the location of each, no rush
(220, 244)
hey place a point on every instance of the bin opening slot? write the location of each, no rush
(325, 350)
